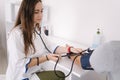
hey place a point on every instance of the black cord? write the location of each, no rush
(70, 69)
(72, 54)
(43, 42)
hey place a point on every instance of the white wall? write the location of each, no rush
(77, 20)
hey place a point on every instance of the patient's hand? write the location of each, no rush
(74, 50)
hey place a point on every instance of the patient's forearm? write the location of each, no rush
(61, 49)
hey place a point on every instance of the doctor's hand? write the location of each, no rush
(53, 57)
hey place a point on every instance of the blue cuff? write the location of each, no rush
(25, 79)
(85, 61)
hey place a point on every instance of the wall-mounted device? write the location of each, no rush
(44, 23)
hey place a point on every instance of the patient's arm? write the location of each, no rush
(77, 60)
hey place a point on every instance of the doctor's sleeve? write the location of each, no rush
(16, 55)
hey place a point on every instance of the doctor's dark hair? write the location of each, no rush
(25, 18)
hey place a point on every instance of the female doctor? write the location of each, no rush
(26, 51)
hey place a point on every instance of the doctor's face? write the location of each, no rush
(38, 13)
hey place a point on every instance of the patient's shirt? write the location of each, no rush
(106, 57)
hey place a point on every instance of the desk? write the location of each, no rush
(64, 65)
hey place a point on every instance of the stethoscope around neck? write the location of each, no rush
(67, 55)
(39, 33)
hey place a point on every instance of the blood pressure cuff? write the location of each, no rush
(85, 63)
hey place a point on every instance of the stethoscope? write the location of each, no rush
(39, 33)
(67, 55)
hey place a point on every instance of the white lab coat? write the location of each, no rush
(17, 60)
